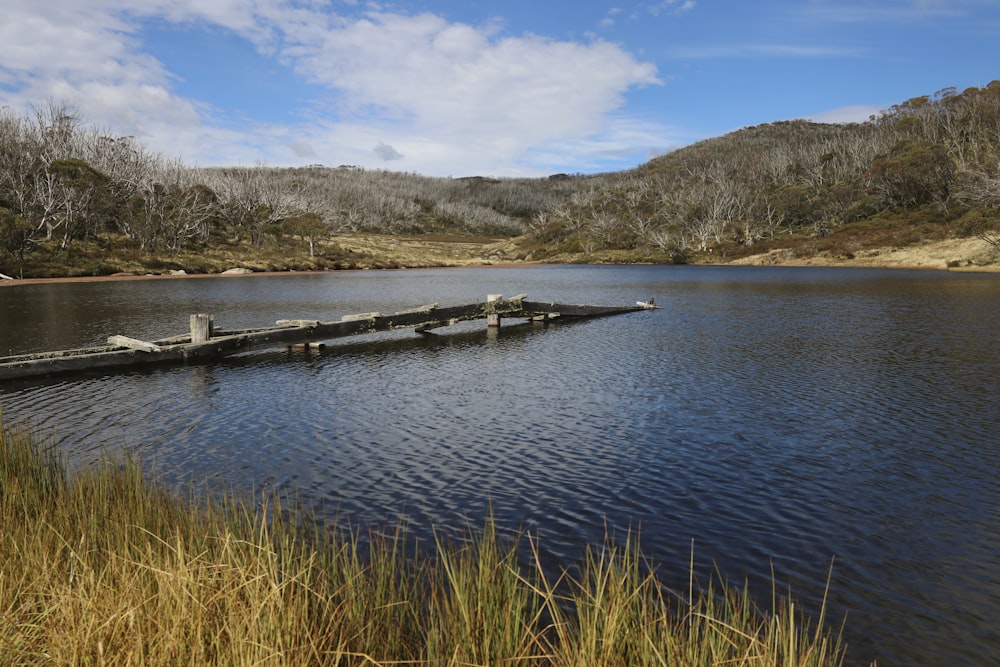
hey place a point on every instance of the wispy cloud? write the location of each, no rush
(767, 51)
(611, 18)
(893, 11)
(670, 7)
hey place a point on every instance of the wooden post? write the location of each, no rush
(201, 328)
(493, 319)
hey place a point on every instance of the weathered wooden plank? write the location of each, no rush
(97, 360)
(285, 333)
(222, 345)
(38, 356)
(360, 316)
(570, 310)
(419, 309)
(296, 323)
(133, 344)
(173, 340)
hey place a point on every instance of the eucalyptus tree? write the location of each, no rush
(249, 199)
(171, 208)
(307, 226)
(19, 160)
(914, 173)
(28, 145)
(85, 200)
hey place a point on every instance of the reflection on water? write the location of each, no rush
(785, 417)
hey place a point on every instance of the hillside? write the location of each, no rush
(74, 201)
(923, 171)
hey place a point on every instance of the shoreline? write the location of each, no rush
(967, 255)
(815, 263)
(167, 276)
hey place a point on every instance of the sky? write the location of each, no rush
(503, 88)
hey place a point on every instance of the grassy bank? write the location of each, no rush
(104, 567)
(108, 255)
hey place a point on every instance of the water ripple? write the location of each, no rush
(774, 418)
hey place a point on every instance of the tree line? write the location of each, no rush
(935, 157)
(63, 182)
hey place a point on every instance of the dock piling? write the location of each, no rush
(201, 328)
(492, 317)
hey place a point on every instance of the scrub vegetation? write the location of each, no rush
(102, 566)
(75, 200)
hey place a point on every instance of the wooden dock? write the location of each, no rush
(206, 342)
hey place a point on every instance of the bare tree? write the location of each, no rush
(57, 130)
(249, 200)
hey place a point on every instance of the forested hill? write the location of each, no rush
(74, 200)
(929, 167)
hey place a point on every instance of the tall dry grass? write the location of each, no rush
(104, 567)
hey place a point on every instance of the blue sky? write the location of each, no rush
(464, 87)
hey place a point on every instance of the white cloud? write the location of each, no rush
(444, 76)
(849, 114)
(454, 96)
(440, 93)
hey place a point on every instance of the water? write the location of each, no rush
(775, 417)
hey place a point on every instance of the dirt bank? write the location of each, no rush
(969, 254)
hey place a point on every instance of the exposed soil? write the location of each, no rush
(968, 254)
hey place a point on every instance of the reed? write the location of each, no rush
(103, 566)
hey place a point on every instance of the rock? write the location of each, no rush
(236, 272)
(178, 272)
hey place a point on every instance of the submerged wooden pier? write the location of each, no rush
(205, 342)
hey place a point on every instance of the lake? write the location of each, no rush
(772, 417)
